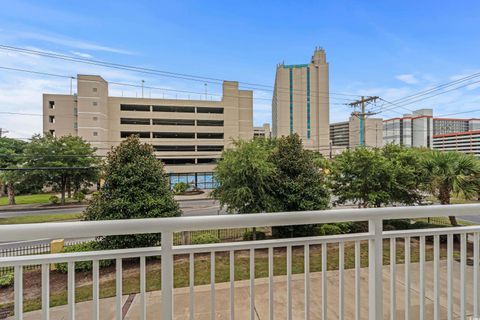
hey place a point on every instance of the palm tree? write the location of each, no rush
(451, 173)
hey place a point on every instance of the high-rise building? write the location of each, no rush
(421, 129)
(187, 135)
(346, 134)
(300, 101)
(411, 130)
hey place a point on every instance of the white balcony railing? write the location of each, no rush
(411, 289)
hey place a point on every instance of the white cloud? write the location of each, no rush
(82, 54)
(407, 78)
(71, 43)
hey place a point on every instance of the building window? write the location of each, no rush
(94, 89)
(209, 110)
(52, 132)
(173, 109)
(210, 123)
(173, 122)
(138, 121)
(291, 99)
(209, 135)
(51, 119)
(95, 133)
(209, 148)
(173, 135)
(51, 104)
(95, 103)
(141, 134)
(207, 160)
(308, 102)
(173, 148)
(178, 161)
(134, 107)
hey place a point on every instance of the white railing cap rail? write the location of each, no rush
(86, 229)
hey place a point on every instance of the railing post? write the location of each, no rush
(375, 275)
(167, 275)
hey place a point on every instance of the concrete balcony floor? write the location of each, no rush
(242, 297)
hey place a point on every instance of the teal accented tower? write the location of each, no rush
(300, 101)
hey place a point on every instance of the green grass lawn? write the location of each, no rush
(39, 218)
(28, 199)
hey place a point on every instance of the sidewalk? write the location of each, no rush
(39, 206)
(242, 298)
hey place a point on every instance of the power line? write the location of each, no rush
(150, 70)
(143, 86)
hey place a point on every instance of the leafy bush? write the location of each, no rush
(204, 238)
(180, 187)
(6, 280)
(79, 196)
(398, 224)
(82, 265)
(304, 230)
(54, 200)
(248, 235)
(334, 228)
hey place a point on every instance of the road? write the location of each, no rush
(202, 207)
(189, 208)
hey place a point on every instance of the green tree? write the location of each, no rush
(136, 186)
(245, 177)
(408, 173)
(64, 152)
(362, 176)
(299, 182)
(10, 157)
(451, 173)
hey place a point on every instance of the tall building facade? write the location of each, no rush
(346, 134)
(262, 132)
(421, 129)
(187, 135)
(411, 130)
(300, 101)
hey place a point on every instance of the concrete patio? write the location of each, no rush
(242, 298)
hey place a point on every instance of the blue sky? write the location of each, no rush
(385, 48)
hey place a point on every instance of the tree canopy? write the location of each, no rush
(136, 186)
(11, 157)
(245, 177)
(53, 154)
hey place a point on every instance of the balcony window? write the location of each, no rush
(210, 123)
(209, 148)
(178, 161)
(209, 135)
(51, 119)
(173, 135)
(207, 160)
(174, 148)
(209, 110)
(135, 121)
(174, 109)
(51, 104)
(141, 134)
(134, 107)
(173, 122)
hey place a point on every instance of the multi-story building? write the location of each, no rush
(421, 129)
(412, 130)
(346, 134)
(262, 132)
(187, 135)
(467, 142)
(300, 101)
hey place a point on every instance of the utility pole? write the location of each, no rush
(362, 115)
(2, 132)
(143, 83)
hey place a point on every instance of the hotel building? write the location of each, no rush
(187, 135)
(346, 134)
(300, 101)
